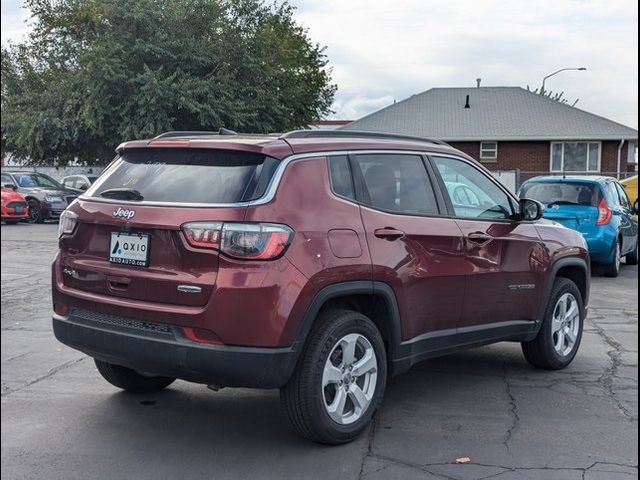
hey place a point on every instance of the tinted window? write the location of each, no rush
(189, 175)
(613, 194)
(7, 180)
(341, 180)
(472, 193)
(624, 199)
(556, 193)
(397, 183)
(30, 180)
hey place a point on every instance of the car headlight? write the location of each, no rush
(67, 224)
(52, 198)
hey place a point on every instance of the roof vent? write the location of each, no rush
(467, 105)
(478, 82)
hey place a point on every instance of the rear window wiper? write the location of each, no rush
(123, 194)
(563, 202)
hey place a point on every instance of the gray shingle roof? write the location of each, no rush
(496, 113)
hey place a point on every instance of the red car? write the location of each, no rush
(14, 206)
(318, 262)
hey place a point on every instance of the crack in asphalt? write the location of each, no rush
(50, 373)
(505, 469)
(370, 436)
(607, 377)
(515, 418)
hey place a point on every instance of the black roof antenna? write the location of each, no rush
(467, 104)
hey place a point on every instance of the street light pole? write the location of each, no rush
(544, 80)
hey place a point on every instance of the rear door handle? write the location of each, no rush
(388, 233)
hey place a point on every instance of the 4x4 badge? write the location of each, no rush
(121, 213)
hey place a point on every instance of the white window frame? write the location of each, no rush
(599, 169)
(492, 157)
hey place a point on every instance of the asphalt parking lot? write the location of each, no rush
(60, 420)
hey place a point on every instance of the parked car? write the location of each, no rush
(79, 183)
(630, 186)
(317, 262)
(46, 198)
(14, 206)
(598, 208)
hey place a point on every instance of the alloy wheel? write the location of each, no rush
(349, 378)
(565, 324)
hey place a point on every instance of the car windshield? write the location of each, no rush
(29, 180)
(557, 193)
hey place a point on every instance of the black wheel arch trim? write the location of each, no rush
(555, 268)
(344, 289)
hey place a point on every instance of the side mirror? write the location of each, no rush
(83, 187)
(530, 210)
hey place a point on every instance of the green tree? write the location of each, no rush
(93, 73)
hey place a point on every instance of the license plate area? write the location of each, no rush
(18, 210)
(129, 249)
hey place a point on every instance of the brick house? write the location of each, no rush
(512, 129)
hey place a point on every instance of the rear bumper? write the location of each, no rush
(601, 242)
(164, 350)
(10, 216)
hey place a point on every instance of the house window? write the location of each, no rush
(575, 157)
(488, 150)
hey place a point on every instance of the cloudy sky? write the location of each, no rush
(382, 50)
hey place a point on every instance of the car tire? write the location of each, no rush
(130, 380)
(613, 269)
(631, 258)
(548, 350)
(318, 405)
(35, 211)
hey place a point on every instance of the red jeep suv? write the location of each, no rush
(315, 262)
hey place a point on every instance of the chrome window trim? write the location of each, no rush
(271, 190)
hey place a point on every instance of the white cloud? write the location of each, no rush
(381, 49)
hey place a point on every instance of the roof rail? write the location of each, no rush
(187, 133)
(356, 133)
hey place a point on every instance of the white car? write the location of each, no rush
(78, 182)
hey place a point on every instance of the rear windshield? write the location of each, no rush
(562, 193)
(188, 175)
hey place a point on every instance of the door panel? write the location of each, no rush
(628, 222)
(505, 272)
(504, 257)
(419, 254)
(426, 268)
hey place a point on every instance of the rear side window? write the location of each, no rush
(6, 180)
(341, 179)
(189, 175)
(624, 198)
(396, 183)
(556, 193)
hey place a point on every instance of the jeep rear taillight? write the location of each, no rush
(203, 234)
(245, 241)
(604, 213)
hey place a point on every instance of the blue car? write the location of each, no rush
(597, 207)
